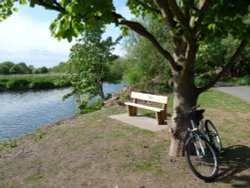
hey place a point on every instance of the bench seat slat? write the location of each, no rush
(149, 97)
(143, 106)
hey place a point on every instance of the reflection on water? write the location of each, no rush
(24, 112)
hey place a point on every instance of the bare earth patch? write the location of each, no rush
(94, 150)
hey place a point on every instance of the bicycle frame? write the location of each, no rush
(197, 133)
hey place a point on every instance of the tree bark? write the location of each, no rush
(185, 96)
(185, 92)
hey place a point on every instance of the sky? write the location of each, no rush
(25, 37)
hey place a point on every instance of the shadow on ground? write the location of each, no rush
(235, 166)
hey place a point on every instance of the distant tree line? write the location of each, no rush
(9, 67)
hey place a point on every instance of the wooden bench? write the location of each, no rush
(160, 113)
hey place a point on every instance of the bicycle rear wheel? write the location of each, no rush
(201, 158)
(213, 135)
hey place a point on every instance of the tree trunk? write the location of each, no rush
(185, 91)
(185, 96)
(101, 90)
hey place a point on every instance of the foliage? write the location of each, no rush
(117, 69)
(17, 84)
(6, 9)
(9, 67)
(13, 143)
(146, 68)
(41, 70)
(90, 61)
(20, 68)
(87, 105)
(5, 67)
(245, 80)
(62, 67)
(33, 82)
(214, 55)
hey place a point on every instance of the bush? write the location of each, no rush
(41, 85)
(202, 80)
(36, 82)
(244, 81)
(239, 81)
(18, 84)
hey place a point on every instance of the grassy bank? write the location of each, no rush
(33, 82)
(93, 150)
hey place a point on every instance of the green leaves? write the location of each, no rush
(89, 63)
(142, 7)
(226, 16)
(80, 16)
(212, 26)
(6, 8)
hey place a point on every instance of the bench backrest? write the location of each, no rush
(149, 97)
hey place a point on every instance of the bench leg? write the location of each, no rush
(132, 111)
(161, 117)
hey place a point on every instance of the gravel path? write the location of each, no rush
(242, 92)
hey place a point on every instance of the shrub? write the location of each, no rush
(18, 84)
(202, 80)
(13, 143)
(41, 85)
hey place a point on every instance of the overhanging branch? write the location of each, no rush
(235, 56)
(55, 6)
(141, 30)
(203, 8)
(177, 12)
(164, 7)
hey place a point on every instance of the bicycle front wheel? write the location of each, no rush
(213, 135)
(201, 158)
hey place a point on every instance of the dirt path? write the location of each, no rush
(242, 92)
(96, 151)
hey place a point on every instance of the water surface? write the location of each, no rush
(23, 112)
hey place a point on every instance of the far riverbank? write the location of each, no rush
(27, 82)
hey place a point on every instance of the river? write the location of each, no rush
(23, 112)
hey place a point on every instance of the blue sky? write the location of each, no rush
(25, 37)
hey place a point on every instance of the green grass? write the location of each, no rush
(33, 81)
(219, 100)
(126, 149)
(35, 177)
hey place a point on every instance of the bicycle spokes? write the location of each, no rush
(203, 162)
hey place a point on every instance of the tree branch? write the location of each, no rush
(167, 14)
(234, 57)
(56, 6)
(202, 11)
(177, 12)
(141, 30)
(145, 5)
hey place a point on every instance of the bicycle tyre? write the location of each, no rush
(213, 135)
(208, 161)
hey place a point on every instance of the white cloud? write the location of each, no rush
(24, 38)
(28, 40)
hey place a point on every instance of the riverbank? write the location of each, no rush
(33, 82)
(93, 150)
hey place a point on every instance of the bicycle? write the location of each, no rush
(211, 134)
(203, 145)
